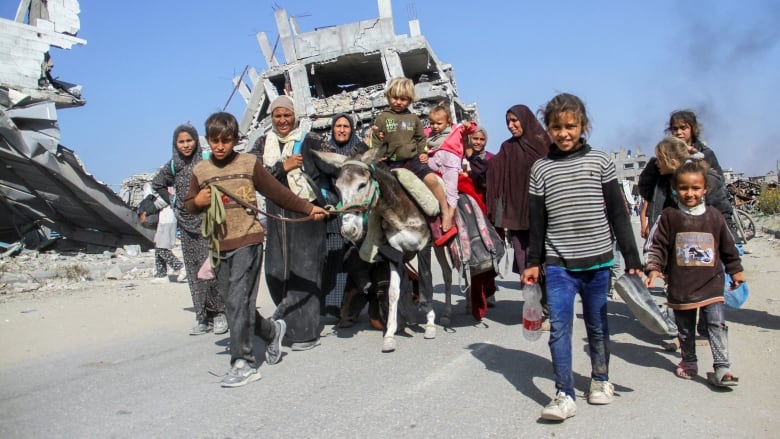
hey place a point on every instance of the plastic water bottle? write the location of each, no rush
(532, 311)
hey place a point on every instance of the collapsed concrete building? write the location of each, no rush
(44, 188)
(45, 192)
(344, 69)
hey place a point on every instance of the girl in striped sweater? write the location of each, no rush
(576, 211)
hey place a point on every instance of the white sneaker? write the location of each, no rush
(601, 392)
(160, 280)
(560, 408)
(182, 276)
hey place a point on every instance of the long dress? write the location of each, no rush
(295, 256)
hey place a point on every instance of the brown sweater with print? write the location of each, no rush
(691, 251)
(242, 175)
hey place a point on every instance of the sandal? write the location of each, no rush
(687, 370)
(722, 377)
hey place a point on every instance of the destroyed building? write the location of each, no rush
(44, 187)
(344, 69)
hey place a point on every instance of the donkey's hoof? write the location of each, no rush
(388, 344)
(430, 332)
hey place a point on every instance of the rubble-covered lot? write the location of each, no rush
(38, 273)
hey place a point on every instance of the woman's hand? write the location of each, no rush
(295, 161)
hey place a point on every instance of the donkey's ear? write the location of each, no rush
(371, 156)
(331, 158)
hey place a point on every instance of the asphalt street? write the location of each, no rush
(472, 380)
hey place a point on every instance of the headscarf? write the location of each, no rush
(509, 172)
(482, 154)
(278, 148)
(181, 168)
(352, 146)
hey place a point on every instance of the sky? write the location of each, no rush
(150, 66)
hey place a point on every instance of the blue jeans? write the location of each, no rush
(562, 287)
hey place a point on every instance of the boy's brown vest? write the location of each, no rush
(241, 225)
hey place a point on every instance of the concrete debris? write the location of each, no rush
(344, 69)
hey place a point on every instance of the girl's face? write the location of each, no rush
(478, 141)
(691, 187)
(438, 121)
(665, 168)
(185, 144)
(513, 125)
(283, 120)
(566, 130)
(682, 131)
(342, 130)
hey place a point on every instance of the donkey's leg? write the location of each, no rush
(393, 293)
(446, 274)
(426, 289)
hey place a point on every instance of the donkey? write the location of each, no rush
(370, 188)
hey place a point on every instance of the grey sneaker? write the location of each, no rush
(560, 408)
(220, 324)
(305, 345)
(240, 375)
(201, 328)
(601, 392)
(273, 351)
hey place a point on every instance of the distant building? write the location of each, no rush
(629, 165)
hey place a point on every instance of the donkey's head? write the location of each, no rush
(358, 190)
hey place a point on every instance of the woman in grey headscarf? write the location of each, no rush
(208, 303)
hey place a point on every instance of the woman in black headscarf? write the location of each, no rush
(208, 303)
(344, 141)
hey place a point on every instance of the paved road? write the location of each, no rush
(473, 380)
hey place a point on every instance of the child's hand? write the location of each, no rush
(424, 158)
(652, 277)
(318, 213)
(530, 275)
(374, 130)
(466, 125)
(295, 161)
(737, 279)
(203, 199)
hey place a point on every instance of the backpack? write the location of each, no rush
(478, 247)
(148, 213)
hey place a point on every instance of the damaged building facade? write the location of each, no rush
(344, 69)
(46, 195)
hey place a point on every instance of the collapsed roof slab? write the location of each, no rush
(44, 183)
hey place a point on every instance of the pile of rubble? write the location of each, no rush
(33, 271)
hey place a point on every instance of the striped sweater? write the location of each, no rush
(575, 205)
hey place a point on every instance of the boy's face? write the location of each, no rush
(185, 144)
(283, 120)
(438, 121)
(691, 188)
(222, 146)
(566, 131)
(399, 103)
